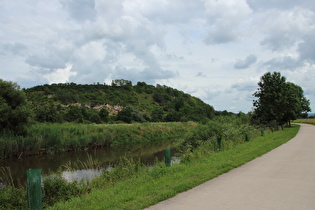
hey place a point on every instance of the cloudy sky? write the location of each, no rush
(216, 50)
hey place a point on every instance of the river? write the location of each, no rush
(51, 163)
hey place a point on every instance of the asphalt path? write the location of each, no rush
(284, 179)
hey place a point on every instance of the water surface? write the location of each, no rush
(147, 153)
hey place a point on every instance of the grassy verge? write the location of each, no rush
(56, 138)
(145, 188)
(308, 121)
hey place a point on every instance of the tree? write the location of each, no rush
(157, 114)
(295, 103)
(278, 100)
(48, 113)
(129, 114)
(104, 114)
(74, 114)
(15, 113)
(95, 118)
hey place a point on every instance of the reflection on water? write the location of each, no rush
(78, 175)
(147, 153)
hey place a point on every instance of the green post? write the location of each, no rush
(246, 137)
(219, 140)
(34, 191)
(262, 131)
(168, 158)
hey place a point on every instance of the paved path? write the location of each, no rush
(281, 179)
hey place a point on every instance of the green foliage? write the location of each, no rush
(278, 100)
(74, 114)
(56, 138)
(104, 115)
(229, 129)
(157, 115)
(296, 103)
(13, 198)
(129, 114)
(15, 114)
(54, 189)
(56, 102)
(126, 168)
(57, 189)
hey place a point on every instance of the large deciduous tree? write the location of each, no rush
(14, 111)
(295, 103)
(278, 101)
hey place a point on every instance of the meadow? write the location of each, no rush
(308, 121)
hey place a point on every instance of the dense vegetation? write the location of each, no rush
(278, 101)
(132, 185)
(120, 101)
(56, 138)
(15, 114)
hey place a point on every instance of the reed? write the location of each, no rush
(56, 138)
(6, 176)
(90, 163)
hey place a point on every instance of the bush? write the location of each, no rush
(13, 198)
(57, 189)
(129, 114)
(15, 113)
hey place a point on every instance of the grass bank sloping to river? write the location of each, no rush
(145, 188)
(55, 138)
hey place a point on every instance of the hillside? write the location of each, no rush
(120, 101)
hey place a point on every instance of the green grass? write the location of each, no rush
(57, 138)
(146, 188)
(308, 121)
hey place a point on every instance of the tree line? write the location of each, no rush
(278, 102)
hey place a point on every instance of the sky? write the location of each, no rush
(216, 50)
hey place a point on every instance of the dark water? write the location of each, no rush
(108, 157)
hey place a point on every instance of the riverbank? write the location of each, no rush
(57, 138)
(142, 188)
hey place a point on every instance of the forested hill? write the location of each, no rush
(120, 101)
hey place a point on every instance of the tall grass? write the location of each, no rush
(90, 163)
(229, 130)
(308, 121)
(6, 176)
(56, 138)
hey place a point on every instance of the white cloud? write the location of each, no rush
(60, 75)
(224, 19)
(284, 29)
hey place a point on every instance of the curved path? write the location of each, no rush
(284, 178)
